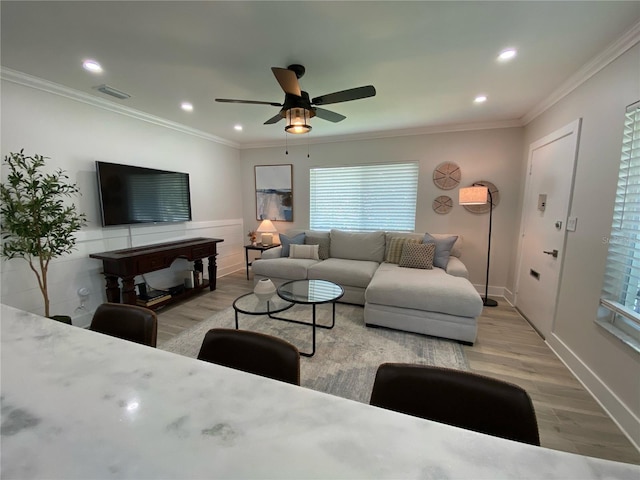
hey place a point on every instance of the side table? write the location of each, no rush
(258, 247)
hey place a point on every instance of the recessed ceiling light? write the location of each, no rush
(480, 99)
(507, 54)
(92, 66)
(238, 128)
(186, 106)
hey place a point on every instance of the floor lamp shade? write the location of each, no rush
(479, 195)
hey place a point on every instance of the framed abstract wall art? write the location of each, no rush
(274, 192)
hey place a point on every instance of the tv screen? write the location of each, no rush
(130, 195)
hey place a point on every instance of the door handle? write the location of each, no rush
(553, 253)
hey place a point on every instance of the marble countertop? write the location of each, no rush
(80, 405)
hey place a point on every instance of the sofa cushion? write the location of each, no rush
(354, 273)
(417, 255)
(321, 239)
(368, 246)
(289, 268)
(394, 248)
(443, 248)
(304, 251)
(286, 240)
(429, 290)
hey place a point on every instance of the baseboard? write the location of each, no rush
(626, 420)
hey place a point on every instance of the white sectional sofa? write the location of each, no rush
(439, 301)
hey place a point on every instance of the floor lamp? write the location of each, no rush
(478, 194)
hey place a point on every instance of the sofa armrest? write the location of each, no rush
(272, 252)
(456, 268)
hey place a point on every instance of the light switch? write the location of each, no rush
(571, 224)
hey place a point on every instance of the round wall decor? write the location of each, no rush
(442, 204)
(495, 194)
(447, 175)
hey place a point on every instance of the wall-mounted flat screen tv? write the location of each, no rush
(130, 195)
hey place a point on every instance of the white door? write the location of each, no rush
(545, 213)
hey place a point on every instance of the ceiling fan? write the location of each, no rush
(297, 107)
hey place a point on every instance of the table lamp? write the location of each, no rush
(267, 229)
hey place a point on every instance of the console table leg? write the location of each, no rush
(213, 272)
(129, 290)
(113, 289)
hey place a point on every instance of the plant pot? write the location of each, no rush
(264, 289)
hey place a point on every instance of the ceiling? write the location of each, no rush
(427, 60)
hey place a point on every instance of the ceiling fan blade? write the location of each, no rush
(345, 95)
(252, 102)
(287, 80)
(274, 119)
(328, 115)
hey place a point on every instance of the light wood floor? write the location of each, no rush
(507, 347)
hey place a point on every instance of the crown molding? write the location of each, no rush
(50, 87)
(407, 132)
(616, 49)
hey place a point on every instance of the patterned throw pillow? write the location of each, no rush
(304, 251)
(443, 249)
(323, 245)
(394, 249)
(285, 241)
(418, 255)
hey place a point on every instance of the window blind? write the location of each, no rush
(364, 197)
(621, 287)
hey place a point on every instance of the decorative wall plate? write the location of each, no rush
(485, 208)
(442, 204)
(447, 175)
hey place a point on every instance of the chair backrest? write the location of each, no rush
(252, 352)
(129, 322)
(458, 398)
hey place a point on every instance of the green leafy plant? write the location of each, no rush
(37, 223)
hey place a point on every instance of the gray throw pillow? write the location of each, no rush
(285, 241)
(443, 249)
(323, 243)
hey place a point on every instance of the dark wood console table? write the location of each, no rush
(126, 264)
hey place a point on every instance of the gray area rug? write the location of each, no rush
(346, 357)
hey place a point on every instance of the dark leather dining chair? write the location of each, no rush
(458, 398)
(129, 322)
(252, 352)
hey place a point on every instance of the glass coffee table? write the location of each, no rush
(306, 292)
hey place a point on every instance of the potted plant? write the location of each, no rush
(36, 220)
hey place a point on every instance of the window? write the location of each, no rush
(620, 301)
(364, 197)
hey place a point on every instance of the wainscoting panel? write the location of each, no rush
(67, 274)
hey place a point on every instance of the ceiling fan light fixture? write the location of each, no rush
(298, 121)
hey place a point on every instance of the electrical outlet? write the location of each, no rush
(572, 222)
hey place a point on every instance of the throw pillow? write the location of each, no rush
(304, 251)
(322, 242)
(443, 249)
(286, 241)
(394, 249)
(417, 255)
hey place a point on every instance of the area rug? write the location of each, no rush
(346, 357)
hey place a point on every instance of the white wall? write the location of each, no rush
(493, 154)
(609, 369)
(74, 134)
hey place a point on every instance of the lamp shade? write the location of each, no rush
(477, 195)
(266, 227)
(298, 120)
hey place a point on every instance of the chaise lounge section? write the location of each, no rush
(438, 301)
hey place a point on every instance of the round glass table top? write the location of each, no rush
(252, 305)
(310, 291)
